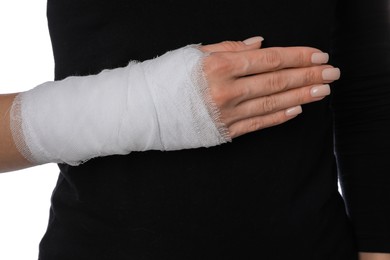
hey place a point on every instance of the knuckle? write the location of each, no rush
(224, 96)
(273, 58)
(276, 82)
(276, 119)
(269, 104)
(301, 57)
(243, 92)
(310, 76)
(234, 132)
(231, 45)
(255, 124)
(302, 96)
(219, 97)
(217, 64)
(227, 117)
(262, 122)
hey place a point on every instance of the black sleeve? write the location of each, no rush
(361, 104)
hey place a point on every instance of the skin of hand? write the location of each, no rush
(374, 256)
(258, 88)
(253, 88)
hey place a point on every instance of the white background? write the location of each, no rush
(25, 61)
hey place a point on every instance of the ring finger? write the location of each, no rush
(273, 103)
(265, 84)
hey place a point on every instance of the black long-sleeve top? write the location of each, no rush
(272, 194)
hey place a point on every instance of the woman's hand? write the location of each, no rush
(258, 88)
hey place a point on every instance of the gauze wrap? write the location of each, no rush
(158, 104)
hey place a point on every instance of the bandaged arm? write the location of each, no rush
(159, 104)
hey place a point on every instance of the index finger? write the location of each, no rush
(275, 58)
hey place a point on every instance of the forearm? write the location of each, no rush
(10, 158)
(117, 111)
(374, 256)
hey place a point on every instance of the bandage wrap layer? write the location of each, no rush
(158, 104)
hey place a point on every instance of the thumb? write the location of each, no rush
(248, 44)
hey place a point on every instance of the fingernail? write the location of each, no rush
(319, 58)
(253, 40)
(331, 74)
(294, 111)
(320, 91)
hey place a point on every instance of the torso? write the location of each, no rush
(271, 194)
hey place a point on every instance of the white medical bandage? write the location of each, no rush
(158, 104)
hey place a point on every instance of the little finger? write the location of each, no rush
(260, 122)
(270, 104)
